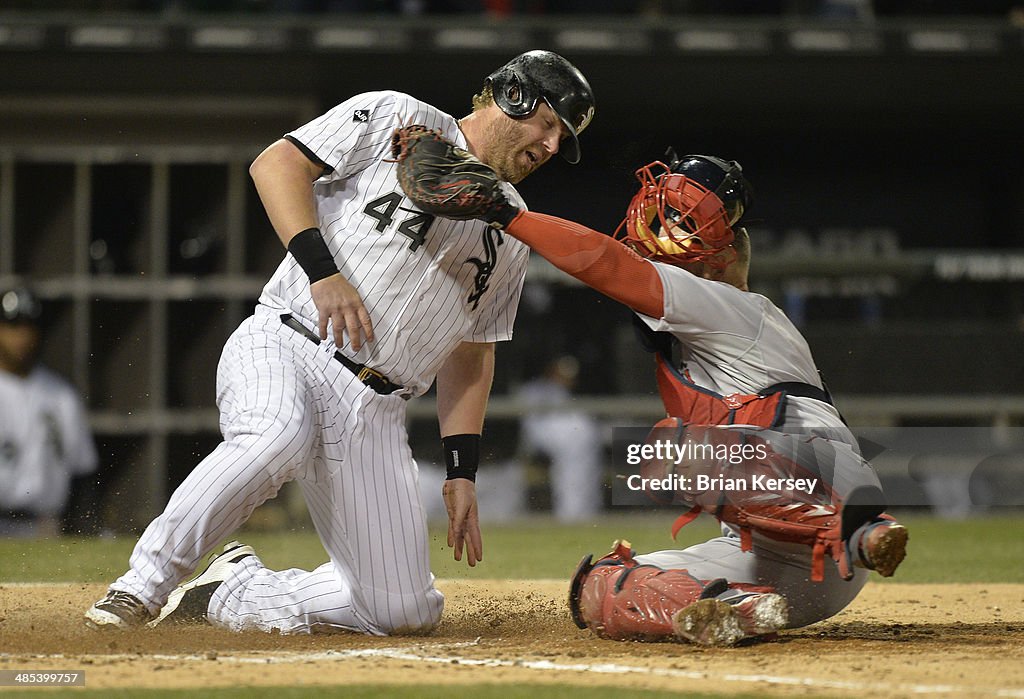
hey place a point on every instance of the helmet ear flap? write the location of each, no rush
(512, 94)
(735, 192)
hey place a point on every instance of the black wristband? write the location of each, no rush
(461, 455)
(310, 251)
(502, 216)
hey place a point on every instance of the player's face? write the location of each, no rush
(18, 342)
(722, 267)
(517, 147)
(733, 274)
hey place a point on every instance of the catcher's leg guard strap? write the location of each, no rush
(781, 519)
(621, 554)
(684, 519)
(576, 589)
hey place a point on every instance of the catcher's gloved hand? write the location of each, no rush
(445, 180)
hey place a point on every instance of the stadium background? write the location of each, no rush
(887, 158)
(888, 162)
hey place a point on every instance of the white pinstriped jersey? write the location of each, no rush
(44, 441)
(428, 283)
(740, 342)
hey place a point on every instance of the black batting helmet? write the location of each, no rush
(19, 305)
(521, 83)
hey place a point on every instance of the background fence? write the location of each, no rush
(887, 159)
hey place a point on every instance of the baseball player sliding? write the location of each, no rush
(375, 300)
(764, 448)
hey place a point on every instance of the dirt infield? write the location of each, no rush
(895, 640)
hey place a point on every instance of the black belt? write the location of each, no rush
(371, 377)
(800, 390)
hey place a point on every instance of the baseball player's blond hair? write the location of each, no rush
(484, 98)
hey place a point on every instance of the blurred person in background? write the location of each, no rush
(568, 438)
(45, 441)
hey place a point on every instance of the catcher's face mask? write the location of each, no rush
(675, 219)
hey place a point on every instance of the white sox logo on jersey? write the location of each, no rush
(484, 268)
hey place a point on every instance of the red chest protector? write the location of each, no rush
(700, 406)
(779, 518)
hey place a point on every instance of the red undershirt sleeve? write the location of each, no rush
(597, 260)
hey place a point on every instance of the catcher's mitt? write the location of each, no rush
(445, 180)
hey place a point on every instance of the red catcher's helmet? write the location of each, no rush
(685, 212)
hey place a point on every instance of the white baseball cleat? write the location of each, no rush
(708, 622)
(714, 623)
(762, 613)
(189, 601)
(117, 610)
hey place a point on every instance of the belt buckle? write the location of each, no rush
(367, 373)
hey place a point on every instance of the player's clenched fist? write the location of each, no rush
(338, 301)
(463, 519)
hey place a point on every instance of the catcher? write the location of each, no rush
(733, 371)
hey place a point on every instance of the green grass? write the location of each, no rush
(986, 549)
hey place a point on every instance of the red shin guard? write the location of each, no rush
(621, 600)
